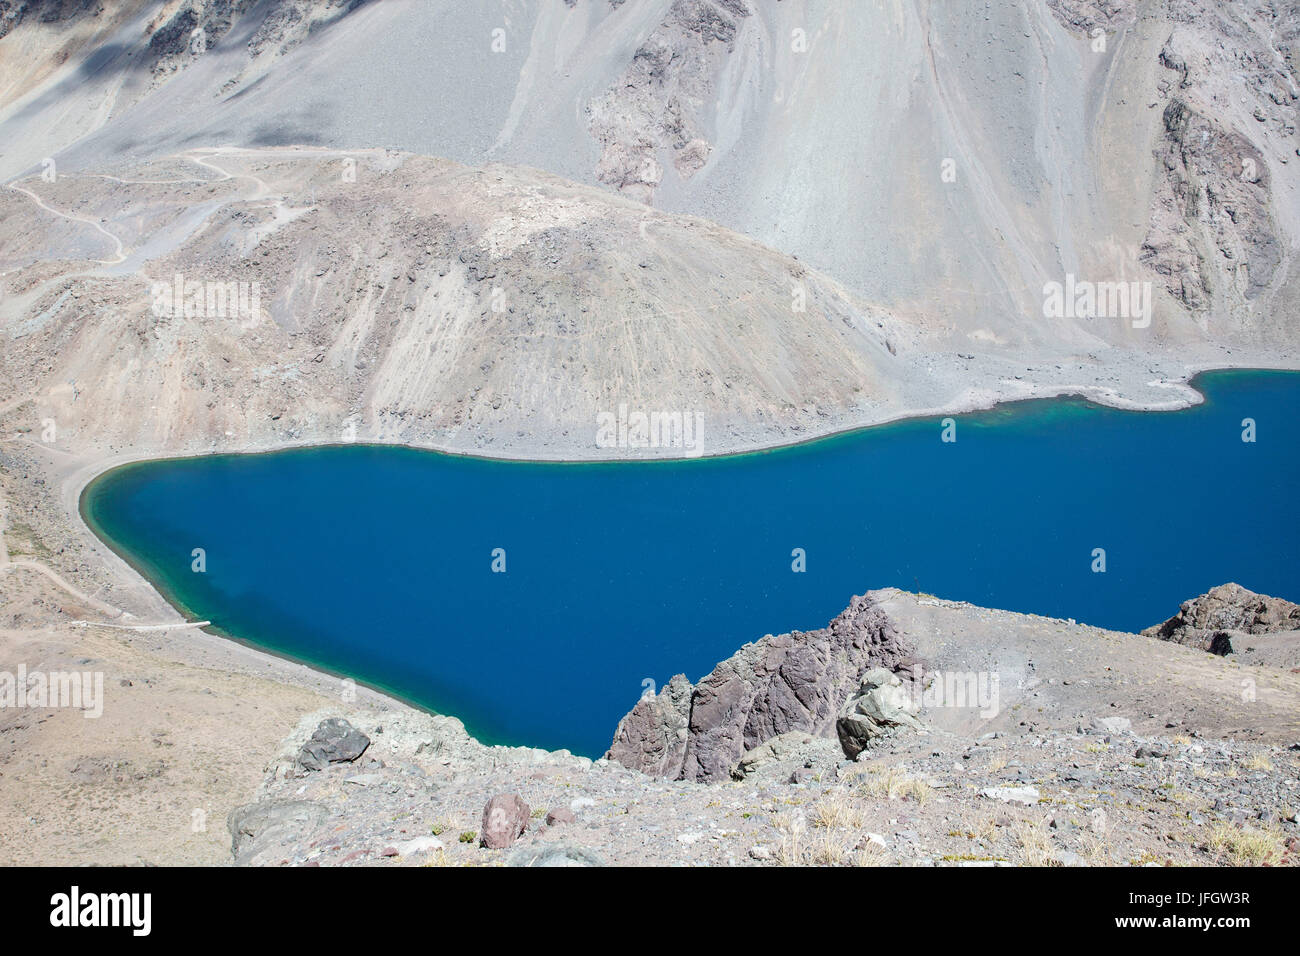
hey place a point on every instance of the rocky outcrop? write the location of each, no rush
(1218, 233)
(13, 12)
(652, 737)
(1085, 16)
(1209, 621)
(773, 760)
(183, 32)
(1211, 222)
(788, 682)
(658, 101)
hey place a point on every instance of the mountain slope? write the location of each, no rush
(326, 296)
(945, 160)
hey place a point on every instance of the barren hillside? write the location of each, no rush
(977, 151)
(379, 295)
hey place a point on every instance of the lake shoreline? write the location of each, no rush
(75, 477)
(1097, 395)
(178, 605)
(197, 677)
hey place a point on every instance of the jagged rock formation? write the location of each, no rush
(787, 682)
(1210, 621)
(1211, 226)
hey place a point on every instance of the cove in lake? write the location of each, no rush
(376, 562)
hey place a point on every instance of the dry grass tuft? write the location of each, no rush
(1035, 845)
(892, 783)
(1246, 846)
(836, 811)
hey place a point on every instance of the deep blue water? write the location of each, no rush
(375, 562)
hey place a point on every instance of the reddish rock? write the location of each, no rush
(782, 683)
(504, 818)
(1203, 621)
(559, 815)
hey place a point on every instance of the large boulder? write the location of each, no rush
(504, 819)
(882, 706)
(787, 682)
(335, 741)
(1209, 621)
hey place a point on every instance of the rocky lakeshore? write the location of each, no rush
(1146, 753)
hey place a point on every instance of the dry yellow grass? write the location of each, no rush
(891, 783)
(836, 811)
(1245, 846)
(832, 835)
(1035, 846)
(828, 850)
(790, 829)
(1094, 850)
(869, 854)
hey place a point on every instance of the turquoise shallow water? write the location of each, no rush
(376, 562)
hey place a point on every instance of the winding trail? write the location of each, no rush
(262, 188)
(99, 605)
(121, 255)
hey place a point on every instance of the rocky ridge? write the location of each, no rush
(1212, 621)
(1087, 775)
(781, 683)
